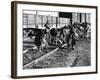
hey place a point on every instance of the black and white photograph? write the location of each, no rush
(56, 39)
(53, 39)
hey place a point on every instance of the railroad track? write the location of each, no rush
(41, 57)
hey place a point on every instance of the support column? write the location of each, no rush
(56, 22)
(36, 20)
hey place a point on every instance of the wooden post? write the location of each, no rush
(42, 21)
(27, 20)
(52, 20)
(56, 21)
(80, 18)
(36, 20)
(85, 17)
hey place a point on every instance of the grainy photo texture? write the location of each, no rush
(56, 39)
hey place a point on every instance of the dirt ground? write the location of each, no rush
(80, 56)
